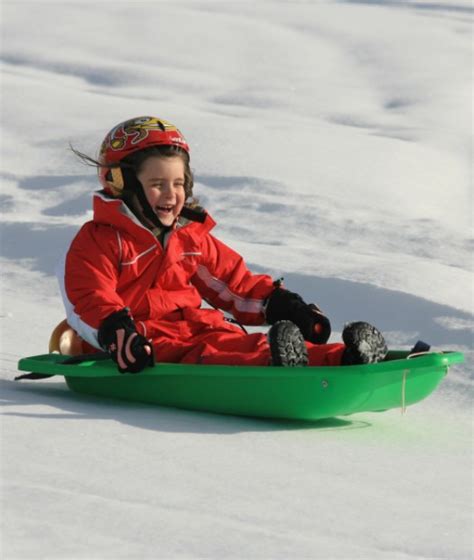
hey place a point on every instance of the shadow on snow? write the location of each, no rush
(426, 6)
(78, 407)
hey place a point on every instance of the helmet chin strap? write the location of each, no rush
(134, 187)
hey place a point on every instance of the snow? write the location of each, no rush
(332, 142)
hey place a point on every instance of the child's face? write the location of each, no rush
(163, 183)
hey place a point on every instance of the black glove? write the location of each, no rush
(131, 351)
(285, 305)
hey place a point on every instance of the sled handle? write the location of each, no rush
(69, 360)
(416, 354)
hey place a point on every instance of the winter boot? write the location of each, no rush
(364, 344)
(287, 345)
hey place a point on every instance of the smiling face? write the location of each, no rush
(163, 181)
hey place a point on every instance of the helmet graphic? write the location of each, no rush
(129, 137)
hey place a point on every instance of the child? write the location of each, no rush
(135, 276)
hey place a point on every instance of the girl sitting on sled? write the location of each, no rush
(134, 278)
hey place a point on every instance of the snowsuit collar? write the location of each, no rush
(114, 212)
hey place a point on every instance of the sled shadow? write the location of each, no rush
(76, 407)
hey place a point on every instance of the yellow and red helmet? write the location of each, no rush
(131, 136)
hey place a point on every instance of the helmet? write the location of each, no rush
(129, 137)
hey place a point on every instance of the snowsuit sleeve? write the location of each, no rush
(224, 280)
(89, 278)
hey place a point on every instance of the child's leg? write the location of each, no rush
(254, 350)
(225, 344)
(218, 347)
(236, 349)
(325, 354)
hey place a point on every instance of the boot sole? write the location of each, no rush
(365, 344)
(287, 345)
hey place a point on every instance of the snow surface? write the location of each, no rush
(332, 142)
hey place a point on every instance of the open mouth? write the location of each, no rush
(164, 209)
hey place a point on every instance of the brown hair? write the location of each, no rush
(136, 160)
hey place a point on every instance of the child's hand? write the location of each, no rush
(285, 305)
(131, 351)
(321, 327)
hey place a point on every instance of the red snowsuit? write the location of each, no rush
(116, 262)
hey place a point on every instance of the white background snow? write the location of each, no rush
(331, 140)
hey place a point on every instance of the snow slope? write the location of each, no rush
(332, 142)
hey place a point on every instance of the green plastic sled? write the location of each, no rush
(303, 393)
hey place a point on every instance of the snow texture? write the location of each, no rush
(332, 142)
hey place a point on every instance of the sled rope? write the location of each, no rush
(420, 349)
